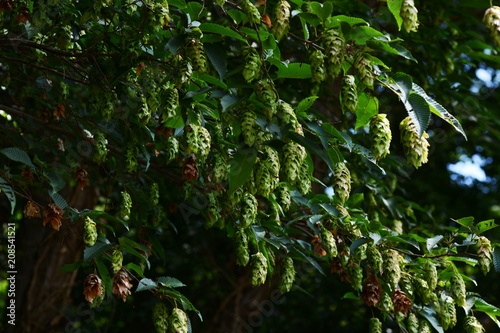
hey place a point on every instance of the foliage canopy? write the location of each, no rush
(280, 136)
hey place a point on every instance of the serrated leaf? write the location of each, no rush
(295, 70)
(312, 147)
(468, 261)
(170, 282)
(221, 30)
(322, 10)
(136, 268)
(419, 113)
(309, 259)
(104, 274)
(58, 199)
(430, 315)
(485, 226)
(95, 214)
(439, 110)
(492, 311)
(183, 300)
(362, 34)
(367, 108)
(496, 259)
(227, 101)
(101, 245)
(431, 242)
(241, 168)
(55, 179)
(334, 21)
(357, 243)
(218, 58)
(18, 155)
(9, 193)
(146, 284)
(395, 8)
(465, 221)
(404, 83)
(305, 104)
(390, 48)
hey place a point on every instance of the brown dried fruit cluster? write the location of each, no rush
(92, 287)
(31, 210)
(121, 284)
(190, 169)
(372, 290)
(52, 215)
(401, 302)
(82, 178)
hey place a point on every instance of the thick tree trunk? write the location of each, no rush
(43, 289)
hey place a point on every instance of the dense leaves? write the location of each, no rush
(265, 131)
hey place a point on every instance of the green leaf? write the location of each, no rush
(404, 84)
(322, 10)
(136, 268)
(492, 311)
(221, 30)
(309, 259)
(467, 222)
(312, 147)
(404, 52)
(146, 284)
(95, 214)
(395, 8)
(468, 261)
(431, 242)
(395, 49)
(102, 245)
(55, 179)
(170, 282)
(18, 155)
(351, 295)
(357, 243)
(485, 226)
(218, 58)
(227, 101)
(104, 274)
(439, 110)
(420, 113)
(295, 70)
(334, 21)
(181, 4)
(241, 167)
(71, 267)
(183, 300)
(430, 315)
(367, 108)
(9, 193)
(305, 104)
(362, 34)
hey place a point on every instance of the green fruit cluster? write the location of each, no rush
(415, 147)
(89, 232)
(334, 44)
(492, 20)
(381, 136)
(409, 14)
(349, 94)
(282, 18)
(287, 275)
(258, 272)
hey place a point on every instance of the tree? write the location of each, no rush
(245, 146)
